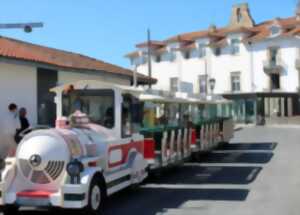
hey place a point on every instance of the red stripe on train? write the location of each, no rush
(149, 148)
(125, 149)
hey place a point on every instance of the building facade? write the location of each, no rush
(255, 64)
(28, 71)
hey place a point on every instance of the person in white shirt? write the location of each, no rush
(9, 125)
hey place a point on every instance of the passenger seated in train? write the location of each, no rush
(109, 118)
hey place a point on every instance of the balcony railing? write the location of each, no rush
(274, 66)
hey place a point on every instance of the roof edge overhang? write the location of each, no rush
(37, 64)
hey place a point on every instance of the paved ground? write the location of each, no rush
(257, 174)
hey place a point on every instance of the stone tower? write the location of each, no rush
(298, 10)
(241, 17)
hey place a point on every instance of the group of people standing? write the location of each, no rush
(12, 125)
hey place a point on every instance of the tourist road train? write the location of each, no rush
(107, 138)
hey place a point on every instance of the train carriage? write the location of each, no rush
(166, 130)
(213, 123)
(84, 159)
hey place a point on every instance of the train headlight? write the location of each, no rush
(74, 168)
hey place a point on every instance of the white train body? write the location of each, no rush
(38, 176)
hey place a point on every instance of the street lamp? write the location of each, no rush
(212, 84)
(27, 27)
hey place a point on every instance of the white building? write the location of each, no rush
(256, 65)
(28, 71)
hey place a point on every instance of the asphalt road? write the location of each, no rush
(258, 173)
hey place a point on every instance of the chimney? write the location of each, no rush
(212, 28)
(241, 17)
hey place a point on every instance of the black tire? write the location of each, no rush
(10, 210)
(97, 185)
(197, 157)
(134, 187)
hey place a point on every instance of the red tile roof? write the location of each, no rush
(19, 50)
(153, 43)
(133, 54)
(259, 32)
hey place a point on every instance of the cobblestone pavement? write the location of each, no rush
(258, 173)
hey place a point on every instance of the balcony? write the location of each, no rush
(274, 66)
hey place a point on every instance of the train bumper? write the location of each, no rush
(70, 197)
(74, 196)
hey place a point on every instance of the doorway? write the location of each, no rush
(46, 79)
(275, 81)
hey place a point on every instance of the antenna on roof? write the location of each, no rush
(27, 27)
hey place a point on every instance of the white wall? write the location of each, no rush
(289, 49)
(18, 84)
(67, 77)
(249, 62)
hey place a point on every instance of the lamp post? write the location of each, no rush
(212, 84)
(27, 27)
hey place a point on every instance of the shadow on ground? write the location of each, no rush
(249, 146)
(191, 174)
(237, 157)
(150, 201)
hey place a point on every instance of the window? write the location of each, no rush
(174, 84)
(158, 58)
(239, 15)
(202, 51)
(187, 54)
(202, 84)
(273, 55)
(235, 82)
(172, 114)
(217, 51)
(141, 60)
(132, 61)
(154, 114)
(235, 46)
(132, 115)
(275, 30)
(275, 80)
(97, 104)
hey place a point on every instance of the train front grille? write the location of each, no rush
(52, 171)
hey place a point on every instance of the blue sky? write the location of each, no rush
(108, 29)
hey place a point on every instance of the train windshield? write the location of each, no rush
(97, 104)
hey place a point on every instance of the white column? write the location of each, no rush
(290, 107)
(58, 101)
(282, 107)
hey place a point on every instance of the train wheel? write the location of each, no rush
(197, 157)
(97, 196)
(10, 210)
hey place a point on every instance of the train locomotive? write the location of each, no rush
(80, 162)
(98, 147)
